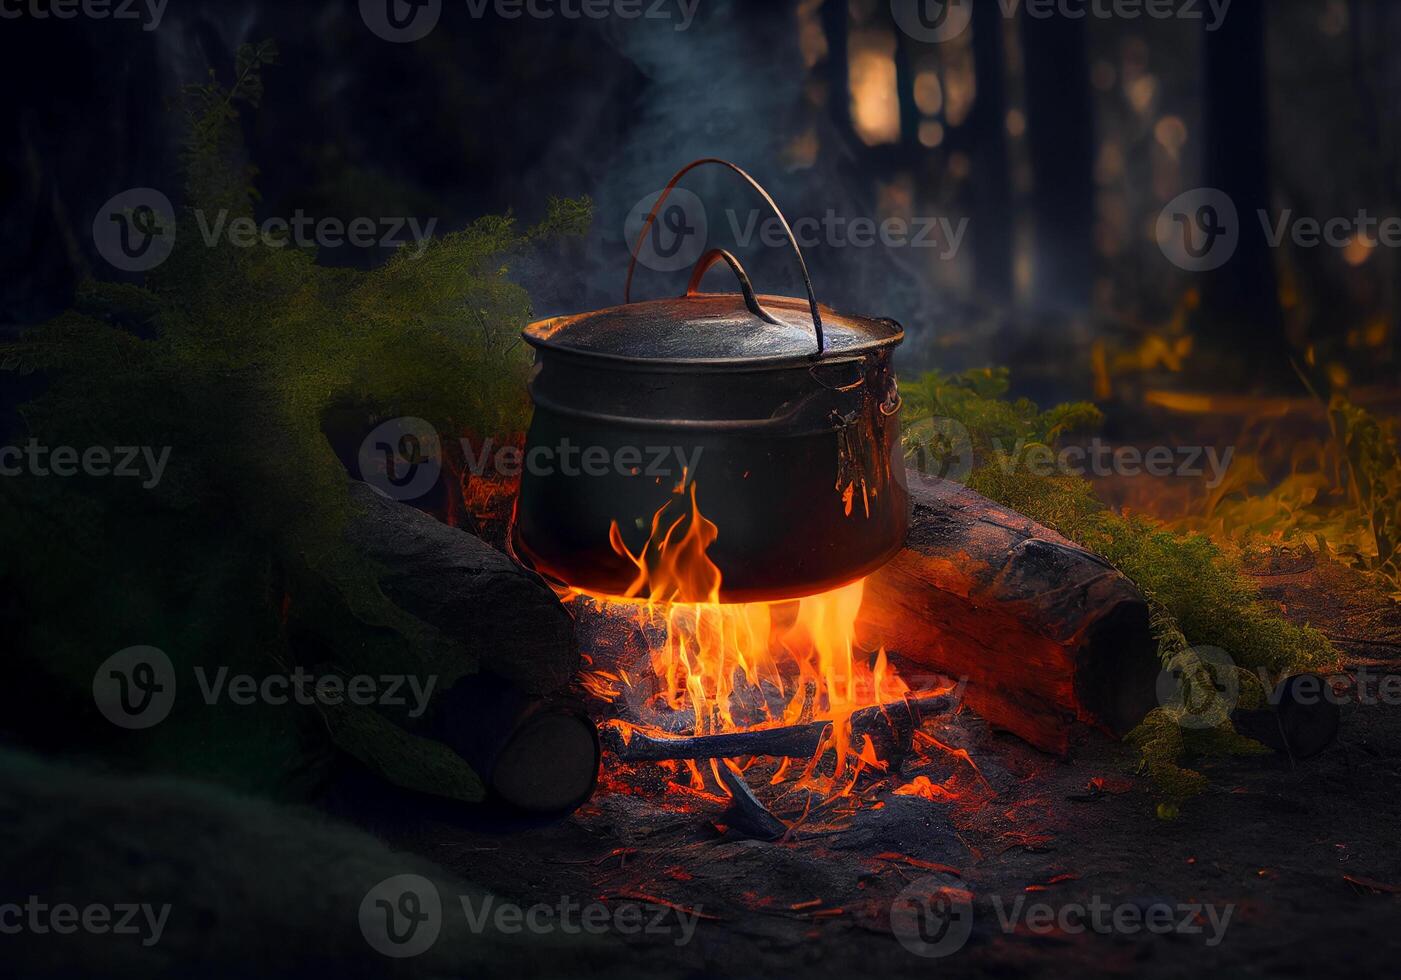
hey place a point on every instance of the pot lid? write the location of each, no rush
(716, 329)
(713, 328)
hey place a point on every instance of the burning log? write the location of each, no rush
(745, 813)
(888, 723)
(1047, 634)
(504, 614)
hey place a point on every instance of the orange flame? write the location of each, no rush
(733, 666)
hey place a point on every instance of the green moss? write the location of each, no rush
(1199, 594)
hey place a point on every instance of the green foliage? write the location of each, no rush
(1199, 595)
(975, 400)
(232, 357)
(1159, 740)
(1369, 448)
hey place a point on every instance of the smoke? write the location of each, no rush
(732, 86)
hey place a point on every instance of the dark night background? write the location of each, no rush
(1059, 149)
(1058, 139)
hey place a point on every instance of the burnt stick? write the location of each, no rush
(884, 721)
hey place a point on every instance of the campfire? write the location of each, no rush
(780, 690)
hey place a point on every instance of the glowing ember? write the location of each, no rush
(725, 667)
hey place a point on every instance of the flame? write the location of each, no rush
(735, 666)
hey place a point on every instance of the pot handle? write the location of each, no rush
(745, 286)
(710, 258)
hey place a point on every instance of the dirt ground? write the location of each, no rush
(1297, 863)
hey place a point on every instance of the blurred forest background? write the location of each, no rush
(1058, 139)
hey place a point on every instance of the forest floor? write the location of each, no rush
(1279, 868)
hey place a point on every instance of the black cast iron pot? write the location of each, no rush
(780, 415)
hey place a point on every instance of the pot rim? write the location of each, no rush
(538, 334)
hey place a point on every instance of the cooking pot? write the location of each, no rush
(779, 415)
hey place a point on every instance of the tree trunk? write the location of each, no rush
(1240, 299)
(992, 182)
(1060, 136)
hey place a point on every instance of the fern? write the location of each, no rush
(232, 356)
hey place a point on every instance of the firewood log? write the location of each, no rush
(505, 616)
(886, 723)
(534, 755)
(1300, 725)
(1050, 638)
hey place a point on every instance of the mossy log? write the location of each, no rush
(1050, 637)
